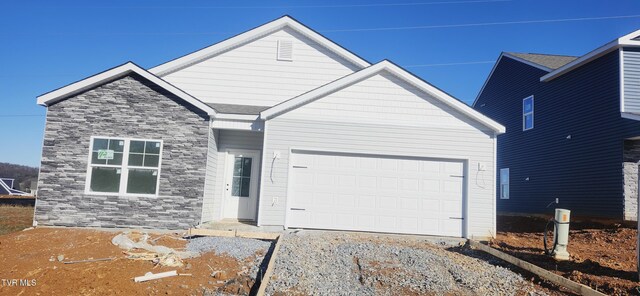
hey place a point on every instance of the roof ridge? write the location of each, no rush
(545, 54)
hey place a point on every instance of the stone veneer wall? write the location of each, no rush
(129, 107)
(631, 156)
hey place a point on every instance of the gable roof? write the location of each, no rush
(545, 62)
(62, 93)
(549, 61)
(253, 34)
(629, 40)
(393, 69)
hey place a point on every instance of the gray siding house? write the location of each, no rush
(277, 126)
(573, 127)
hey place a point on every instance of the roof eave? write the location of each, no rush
(594, 54)
(624, 41)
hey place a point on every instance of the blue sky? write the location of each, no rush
(44, 45)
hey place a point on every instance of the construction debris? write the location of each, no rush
(151, 276)
(159, 255)
(88, 260)
(171, 259)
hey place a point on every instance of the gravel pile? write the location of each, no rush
(320, 263)
(239, 248)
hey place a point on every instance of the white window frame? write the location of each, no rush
(505, 182)
(524, 115)
(124, 174)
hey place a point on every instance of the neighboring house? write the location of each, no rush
(573, 130)
(277, 125)
(6, 187)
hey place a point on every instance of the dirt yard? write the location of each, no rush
(602, 256)
(38, 255)
(15, 218)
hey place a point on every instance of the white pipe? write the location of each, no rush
(151, 276)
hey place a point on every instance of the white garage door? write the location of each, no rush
(376, 193)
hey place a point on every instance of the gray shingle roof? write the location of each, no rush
(546, 60)
(237, 109)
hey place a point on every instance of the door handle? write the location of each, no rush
(297, 209)
(456, 218)
(227, 187)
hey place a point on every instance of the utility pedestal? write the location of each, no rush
(562, 234)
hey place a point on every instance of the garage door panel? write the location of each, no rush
(388, 164)
(409, 203)
(375, 193)
(347, 200)
(366, 202)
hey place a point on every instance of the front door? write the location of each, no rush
(241, 184)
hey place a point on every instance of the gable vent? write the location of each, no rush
(285, 50)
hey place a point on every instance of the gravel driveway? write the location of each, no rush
(336, 263)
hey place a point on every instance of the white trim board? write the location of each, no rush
(393, 69)
(253, 34)
(112, 74)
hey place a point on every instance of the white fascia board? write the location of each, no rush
(598, 52)
(241, 117)
(375, 69)
(114, 73)
(285, 21)
(626, 40)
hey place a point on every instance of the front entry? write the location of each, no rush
(241, 184)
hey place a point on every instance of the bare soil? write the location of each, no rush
(603, 256)
(32, 255)
(15, 218)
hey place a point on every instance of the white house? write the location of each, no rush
(277, 125)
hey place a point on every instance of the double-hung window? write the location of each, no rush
(504, 183)
(527, 113)
(124, 166)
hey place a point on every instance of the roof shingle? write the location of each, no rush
(546, 60)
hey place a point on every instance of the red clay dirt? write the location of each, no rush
(32, 255)
(603, 256)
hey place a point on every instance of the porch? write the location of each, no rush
(233, 177)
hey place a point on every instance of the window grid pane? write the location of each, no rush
(142, 181)
(105, 179)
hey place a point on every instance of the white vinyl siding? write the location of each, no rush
(230, 139)
(211, 177)
(386, 125)
(251, 74)
(631, 81)
(504, 183)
